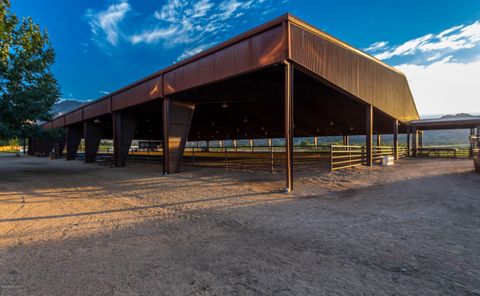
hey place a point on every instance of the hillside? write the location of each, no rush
(66, 106)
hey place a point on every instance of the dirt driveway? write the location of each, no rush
(68, 228)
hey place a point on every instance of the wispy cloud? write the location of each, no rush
(188, 21)
(442, 68)
(188, 25)
(455, 38)
(377, 46)
(445, 86)
(105, 23)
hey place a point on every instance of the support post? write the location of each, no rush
(235, 145)
(177, 117)
(379, 140)
(408, 141)
(414, 142)
(30, 146)
(315, 143)
(74, 136)
(289, 69)
(420, 139)
(369, 135)
(124, 126)
(270, 145)
(93, 133)
(250, 141)
(395, 139)
(472, 133)
(346, 140)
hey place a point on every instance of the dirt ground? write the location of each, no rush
(68, 228)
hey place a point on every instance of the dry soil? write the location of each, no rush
(68, 228)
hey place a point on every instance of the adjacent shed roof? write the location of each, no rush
(283, 39)
(447, 123)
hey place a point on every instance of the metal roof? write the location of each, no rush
(447, 123)
(286, 38)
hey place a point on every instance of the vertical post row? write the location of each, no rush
(395, 139)
(289, 125)
(369, 135)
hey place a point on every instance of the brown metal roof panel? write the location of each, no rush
(73, 117)
(138, 94)
(258, 51)
(97, 109)
(360, 75)
(58, 122)
(47, 125)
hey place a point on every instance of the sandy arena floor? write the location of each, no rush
(67, 228)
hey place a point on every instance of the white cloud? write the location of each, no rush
(191, 52)
(376, 46)
(452, 39)
(106, 22)
(445, 86)
(195, 24)
(181, 24)
(443, 69)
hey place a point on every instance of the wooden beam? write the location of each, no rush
(395, 139)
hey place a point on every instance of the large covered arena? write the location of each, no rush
(275, 83)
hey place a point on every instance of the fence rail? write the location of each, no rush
(342, 156)
(444, 152)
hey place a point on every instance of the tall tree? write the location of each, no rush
(28, 88)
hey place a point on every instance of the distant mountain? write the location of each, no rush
(66, 106)
(459, 115)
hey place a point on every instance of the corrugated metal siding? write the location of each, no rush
(73, 117)
(364, 78)
(96, 109)
(258, 51)
(58, 122)
(138, 94)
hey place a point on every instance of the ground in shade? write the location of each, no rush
(68, 228)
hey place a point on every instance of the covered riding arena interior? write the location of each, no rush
(282, 80)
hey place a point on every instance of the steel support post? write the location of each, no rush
(472, 133)
(177, 117)
(414, 142)
(93, 133)
(420, 139)
(124, 126)
(369, 135)
(270, 145)
(395, 139)
(74, 136)
(289, 69)
(408, 141)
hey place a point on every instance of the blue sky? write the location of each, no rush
(104, 45)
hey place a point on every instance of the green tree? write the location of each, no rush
(28, 88)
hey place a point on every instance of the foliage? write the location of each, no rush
(28, 88)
